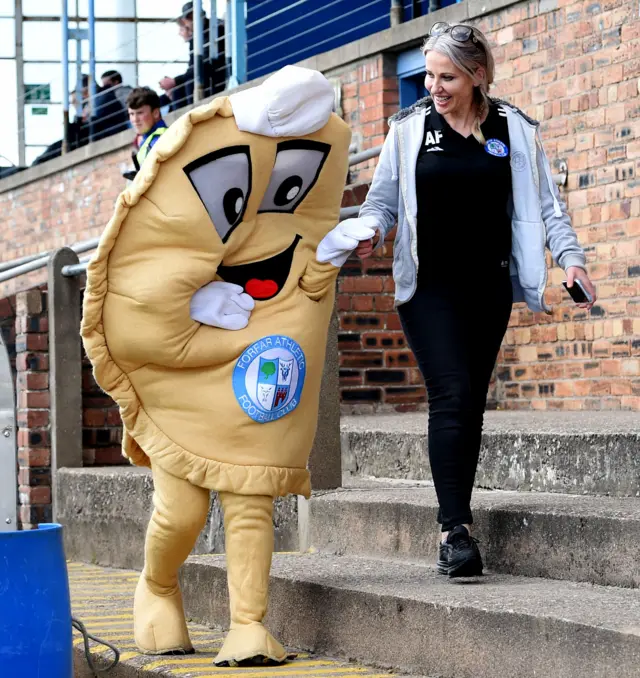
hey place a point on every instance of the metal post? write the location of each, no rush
(65, 75)
(20, 84)
(213, 31)
(78, 69)
(93, 90)
(198, 49)
(135, 44)
(8, 461)
(238, 44)
(65, 368)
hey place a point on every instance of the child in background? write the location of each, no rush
(146, 119)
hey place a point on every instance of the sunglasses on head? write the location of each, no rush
(458, 32)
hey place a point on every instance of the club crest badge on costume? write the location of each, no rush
(268, 378)
(497, 148)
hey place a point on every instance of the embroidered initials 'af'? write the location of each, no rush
(429, 137)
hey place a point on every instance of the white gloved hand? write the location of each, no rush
(338, 244)
(222, 304)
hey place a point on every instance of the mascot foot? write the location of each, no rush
(250, 644)
(158, 622)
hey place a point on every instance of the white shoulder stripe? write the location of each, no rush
(428, 110)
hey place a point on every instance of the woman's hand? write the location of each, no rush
(576, 273)
(365, 249)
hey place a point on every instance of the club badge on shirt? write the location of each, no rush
(497, 148)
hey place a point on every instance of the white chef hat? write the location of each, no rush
(293, 102)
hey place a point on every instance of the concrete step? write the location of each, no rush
(106, 511)
(558, 536)
(102, 598)
(569, 452)
(405, 616)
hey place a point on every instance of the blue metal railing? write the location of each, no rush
(260, 37)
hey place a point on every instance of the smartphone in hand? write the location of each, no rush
(578, 292)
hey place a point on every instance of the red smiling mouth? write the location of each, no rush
(264, 279)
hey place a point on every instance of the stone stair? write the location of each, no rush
(557, 511)
(560, 597)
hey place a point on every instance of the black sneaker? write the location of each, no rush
(459, 554)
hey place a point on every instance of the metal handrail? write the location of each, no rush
(34, 262)
(41, 260)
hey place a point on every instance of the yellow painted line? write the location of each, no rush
(88, 576)
(101, 579)
(101, 617)
(192, 661)
(274, 672)
(95, 628)
(97, 583)
(122, 634)
(120, 597)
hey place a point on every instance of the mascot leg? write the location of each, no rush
(249, 546)
(180, 512)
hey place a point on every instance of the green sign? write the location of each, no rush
(37, 93)
(39, 110)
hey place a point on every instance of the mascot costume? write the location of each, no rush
(206, 314)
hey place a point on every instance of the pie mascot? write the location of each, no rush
(206, 314)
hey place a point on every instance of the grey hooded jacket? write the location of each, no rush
(539, 216)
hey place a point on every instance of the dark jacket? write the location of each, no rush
(109, 115)
(213, 71)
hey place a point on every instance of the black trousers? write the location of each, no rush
(455, 332)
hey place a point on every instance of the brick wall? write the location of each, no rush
(69, 206)
(27, 330)
(32, 396)
(377, 370)
(101, 423)
(575, 66)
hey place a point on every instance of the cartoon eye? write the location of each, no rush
(222, 180)
(296, 170)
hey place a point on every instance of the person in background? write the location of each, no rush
(143, 105)
(113, 80)
(179, 90)
(78, 130)
(467, 180)
(108, 114)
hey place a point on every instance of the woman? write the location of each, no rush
(468, 183)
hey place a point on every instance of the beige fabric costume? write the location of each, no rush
(210, 408)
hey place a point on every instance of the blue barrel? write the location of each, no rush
(35, 607)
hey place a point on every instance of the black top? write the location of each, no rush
(464, 197)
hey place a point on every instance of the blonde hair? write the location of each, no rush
(469, 56)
